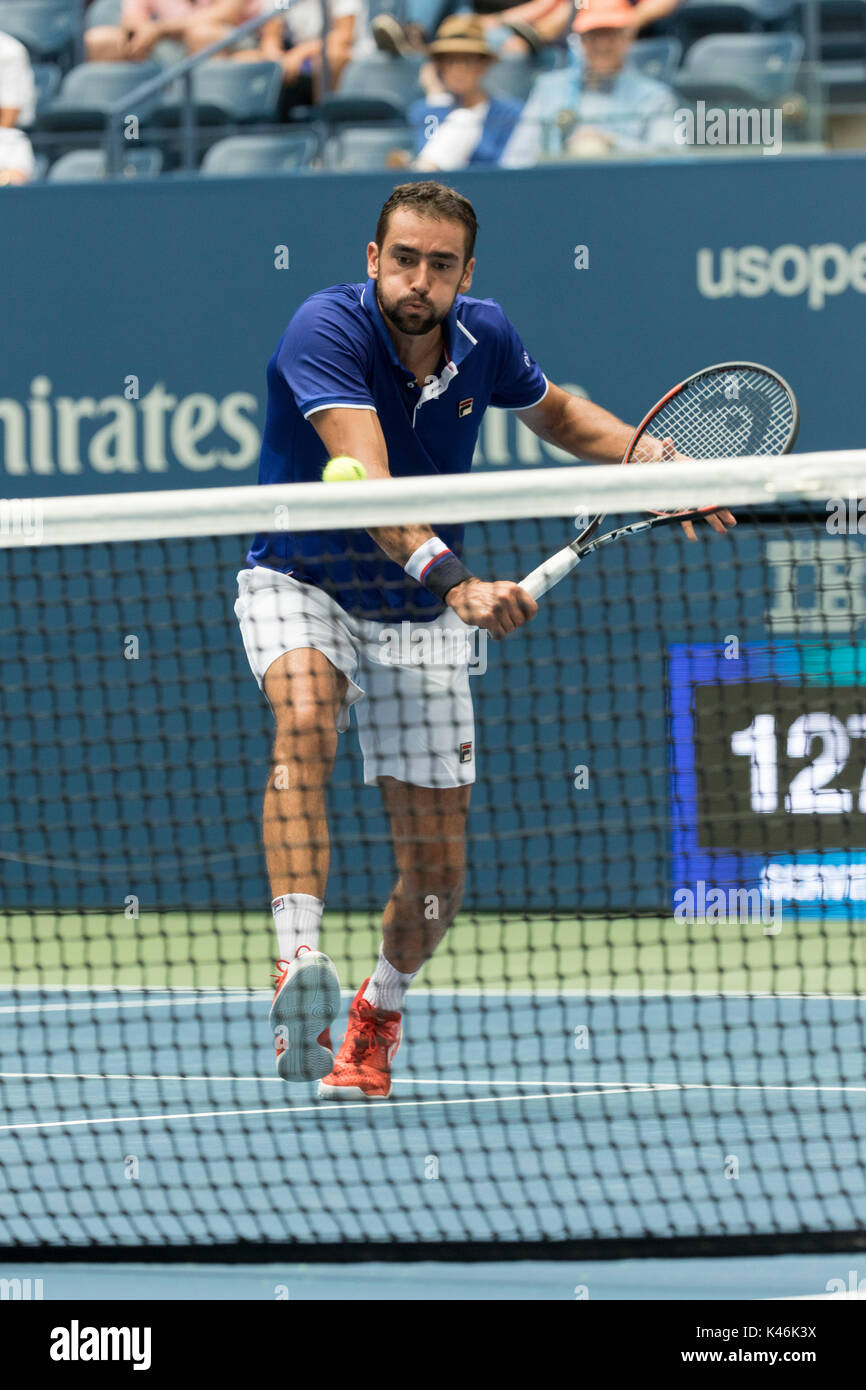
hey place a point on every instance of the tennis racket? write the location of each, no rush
(732, 410)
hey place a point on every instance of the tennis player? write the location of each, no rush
(396, 373)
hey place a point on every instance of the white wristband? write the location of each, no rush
(422, 560)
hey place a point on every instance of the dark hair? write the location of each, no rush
(430, 199)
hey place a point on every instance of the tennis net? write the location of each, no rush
(644, 1031)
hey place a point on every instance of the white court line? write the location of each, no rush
(810, 1297)
(622, 1088)
(238, 997)
(289, 1110)
(90, 1005)
(444, 991)
(397, 1080)
(5, 987)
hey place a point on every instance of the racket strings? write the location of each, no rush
(733, 413)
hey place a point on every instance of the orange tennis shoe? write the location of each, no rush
(362, 1067)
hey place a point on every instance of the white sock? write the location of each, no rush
(297, 918)
(387, 987)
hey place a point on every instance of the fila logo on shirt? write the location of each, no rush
(466, 752)
(465, 407)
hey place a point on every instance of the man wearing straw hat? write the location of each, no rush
(462, 124)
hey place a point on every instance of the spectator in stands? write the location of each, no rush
(166, 30)
(17, 108)
(597, 103)
(295, 41)
(514, 29)
(510, 29)
(458, 123)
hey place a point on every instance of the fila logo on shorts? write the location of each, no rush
(466, 752)
(465, 407)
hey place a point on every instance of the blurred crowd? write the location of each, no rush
(587, 100)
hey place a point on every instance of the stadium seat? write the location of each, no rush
(47, 78)
(842, 30)
(81, 166)
(88, 92)
(512, 77)
(695, 19)
(658, 58)
(367, 148)
(237, 93)
(728, 68)
(395, 79)
(337, 109)
(47, 27)
(837, 49)
(260, 154)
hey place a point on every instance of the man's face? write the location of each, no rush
(605, 50)
(420, 270)
(461, 73)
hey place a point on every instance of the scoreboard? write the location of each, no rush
(768, 769)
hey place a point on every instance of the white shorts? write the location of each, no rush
(408, 682)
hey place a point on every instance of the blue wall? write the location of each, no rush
(173, 283)
(146, 776)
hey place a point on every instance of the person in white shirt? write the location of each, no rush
(459, 123)
(17, 109)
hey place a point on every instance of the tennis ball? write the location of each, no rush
(343, 470)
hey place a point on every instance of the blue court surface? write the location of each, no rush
(687, 1113)
(779, 1277)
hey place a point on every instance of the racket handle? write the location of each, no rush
(550, 573)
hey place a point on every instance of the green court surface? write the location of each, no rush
(227, 950)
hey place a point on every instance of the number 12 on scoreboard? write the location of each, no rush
(819, 736)
(767, 756)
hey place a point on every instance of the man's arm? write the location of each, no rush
(589, 432)
(357, 434)
(528, 12)
(135, 14)
(499, 607)
(270, 41)
(219, 12)
(578, 426)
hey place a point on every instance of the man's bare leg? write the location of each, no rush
(305, 692)
(105, 43)
(428, 829)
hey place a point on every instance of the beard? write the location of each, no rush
(414, 322)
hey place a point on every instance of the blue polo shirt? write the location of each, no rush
(337, 351)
